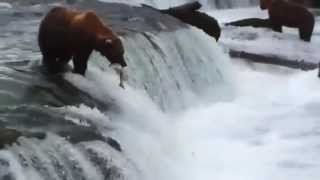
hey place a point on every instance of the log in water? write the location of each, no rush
(275, 60)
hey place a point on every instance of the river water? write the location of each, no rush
(188, 111)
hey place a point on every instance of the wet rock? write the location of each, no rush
(86, 134)
(105, 165)
(188, 7)
(80, 134)
(113, 143)
(10, 136)
(253, 22)
(8, 177)
(274, 60)
(22, 14)
(319, 70)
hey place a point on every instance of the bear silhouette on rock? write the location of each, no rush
(66, 34)
(283, 13)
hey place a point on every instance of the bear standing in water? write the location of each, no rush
(66, 34)
(283, 13)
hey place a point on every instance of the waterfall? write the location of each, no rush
(175, 72)
(76, 127)
(186, 112)
(168, 74)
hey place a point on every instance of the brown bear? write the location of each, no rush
(189, 14)
(66, 34)
(283, 13)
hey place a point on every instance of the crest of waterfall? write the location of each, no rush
(177, 69)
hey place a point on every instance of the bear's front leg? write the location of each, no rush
(305, 31)
(305, 36)
(276, 27)
(51, 64)
(80, 62)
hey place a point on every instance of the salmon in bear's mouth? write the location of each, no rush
(120, 70)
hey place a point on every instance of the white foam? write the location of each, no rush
(5, 5)
(268, 130)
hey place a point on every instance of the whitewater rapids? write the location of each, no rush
(200, 115)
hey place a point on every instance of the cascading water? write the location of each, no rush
(67, 132)
(168, 62)
(187, 112)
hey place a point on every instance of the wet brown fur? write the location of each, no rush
(283, 13)
(66, 34)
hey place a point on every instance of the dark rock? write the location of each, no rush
(185, 8)
(21, 14)
(188, 7)
(80, 134)
(113, 143)
(38, 135)
(274, 60)
(319, 70)
(10, 136)
(254, 22)
(105, 165)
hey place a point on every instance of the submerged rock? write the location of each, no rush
(79, 134)
(274, 60)
(10, 136)
(113, 143)
(254, 22)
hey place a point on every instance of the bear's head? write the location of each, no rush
(111, 49)
(264, 4)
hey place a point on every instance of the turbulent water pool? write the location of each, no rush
(188, 111)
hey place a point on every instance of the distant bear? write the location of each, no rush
(198, 19)
(283, 13)
(66, 34)
(189, 14)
